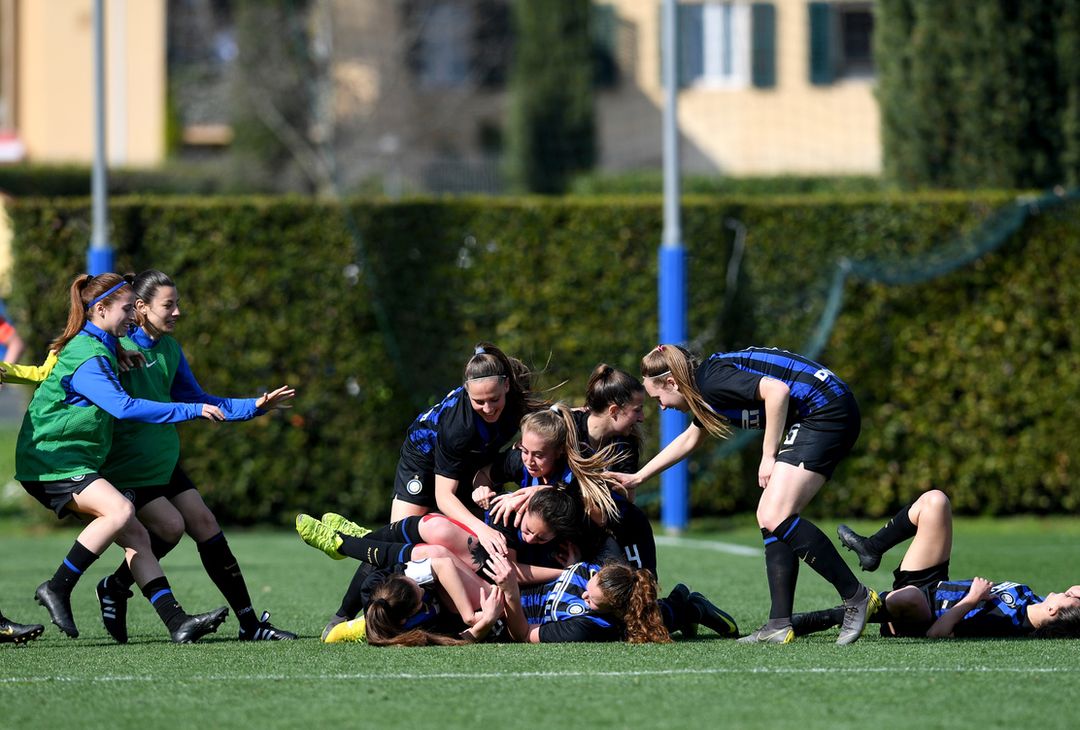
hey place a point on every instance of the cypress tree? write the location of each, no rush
(551, 134)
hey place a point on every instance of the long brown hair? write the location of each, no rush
(393, 603)
(631, 596)
(85, 289)
(681, 365)
(555, 425)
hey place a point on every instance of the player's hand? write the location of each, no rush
(276, 400)
(630, 482)
(491, 606)
(568, 554)
(129, 359)
(504, 507)
(211, 413)
(492, 540)
(765, 470)
(482, 496)
(501, 572)
(980, 590)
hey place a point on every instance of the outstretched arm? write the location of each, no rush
(671, 454)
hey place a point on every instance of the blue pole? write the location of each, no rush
(99, 257)
(675, 482)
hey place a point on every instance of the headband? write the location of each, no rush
(105, 295)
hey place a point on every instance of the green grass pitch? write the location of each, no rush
(57, 682)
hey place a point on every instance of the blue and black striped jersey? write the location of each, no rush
(728, 381)
(1003, 613)
(561, 612)
(452, 440)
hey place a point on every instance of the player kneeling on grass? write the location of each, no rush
(925, 602)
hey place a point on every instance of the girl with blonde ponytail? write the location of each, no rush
(811, 422)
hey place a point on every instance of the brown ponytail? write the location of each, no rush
(84, 290)
(631, 596)
(393, 602)
(681, 364)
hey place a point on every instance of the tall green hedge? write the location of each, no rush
(967, 383)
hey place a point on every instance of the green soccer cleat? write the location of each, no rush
(319, 536)
(337, 523)
(354, 631)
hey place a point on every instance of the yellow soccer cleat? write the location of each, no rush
(343, 525)
(319, 536)
(354, 631)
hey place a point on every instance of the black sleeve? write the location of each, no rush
(627, 457)
(581, 628)
(507, 467)
(452, 443)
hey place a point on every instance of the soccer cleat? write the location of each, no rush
(869, 559)
(16, 633)
(265, 631)
(713, 617)
(337, 523)
(198, 626)
(679, 603)
(812, 622)
(334, 621)
(319, 536)
(765, 635)
(59, 607)
(857, 610)
(354, 631)
(113, 604)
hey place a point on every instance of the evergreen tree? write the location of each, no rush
(551, 133)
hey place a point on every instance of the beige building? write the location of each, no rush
(46, 80)
(416, 95)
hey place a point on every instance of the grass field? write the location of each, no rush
(90, 682)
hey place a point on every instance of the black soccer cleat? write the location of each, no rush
(113, 604)
(59, 607)
(196, 627)
(712, 617)
(265, 631)
(679, 603)
(16, 633)
(812, 622)
(869, 559)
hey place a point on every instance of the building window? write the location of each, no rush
(855, 36)
(714, 41)
(445, 45)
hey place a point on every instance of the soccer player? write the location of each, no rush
(11, 344)
(811, 421)
(144, 463)
(12, 632)
(447, 444)
(925, 602)
(65, 437)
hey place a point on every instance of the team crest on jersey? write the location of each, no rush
(576, 609)
(414, 486)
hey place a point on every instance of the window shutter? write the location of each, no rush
(763, 45)
(821, 44)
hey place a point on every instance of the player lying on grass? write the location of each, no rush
(550, 453)
(925, 602)
(339, 538)
(446, 445)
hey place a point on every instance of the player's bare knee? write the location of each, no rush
(170, 528)
(202, 525)
(936, 502)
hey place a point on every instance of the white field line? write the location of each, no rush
(410, 676)
(714, 545)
